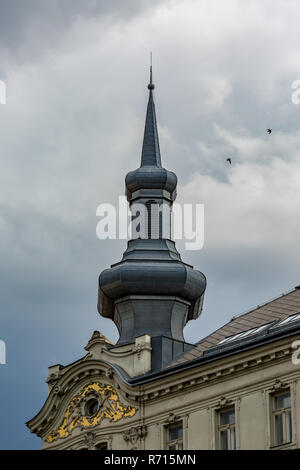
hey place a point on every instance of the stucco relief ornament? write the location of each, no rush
(76, 415)
(139, 349)
(52, 378)
(109, 373)
(172, 418)
(57, 390)
(133, 435)
(90, 439)
(278, 385)
(224, 402)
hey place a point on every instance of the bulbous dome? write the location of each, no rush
(151, 177)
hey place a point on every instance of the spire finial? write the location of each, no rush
(151, 85)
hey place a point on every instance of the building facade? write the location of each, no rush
(238, 388)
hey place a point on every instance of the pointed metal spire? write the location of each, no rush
(151, 151)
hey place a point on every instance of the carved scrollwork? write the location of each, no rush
(172, 418)
(139, 349)
(52, 378)
(134, 434)
(109, 373)
(89, 439)
(57, 390)
(224, 402)
(278, 385)
(108, 407)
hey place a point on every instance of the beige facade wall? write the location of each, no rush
(246, 381)
(251, 428)
(199, 436)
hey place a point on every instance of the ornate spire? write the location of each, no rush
(151, 291)
(151, 151)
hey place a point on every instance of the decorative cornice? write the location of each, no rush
(222, 373)
(82, 440)
(84, 371)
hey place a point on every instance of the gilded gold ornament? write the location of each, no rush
(75, 415)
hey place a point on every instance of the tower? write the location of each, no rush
(234, 389)
(150, 295)
(151, 291)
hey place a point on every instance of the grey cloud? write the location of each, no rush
(76, 77)
(29, 28)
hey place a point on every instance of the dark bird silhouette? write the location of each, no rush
(269, 131)
(228, 160)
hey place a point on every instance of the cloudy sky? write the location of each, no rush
(76, 75)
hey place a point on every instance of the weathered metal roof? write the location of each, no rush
(151, 176)
(277, 309)
(151, 290)
(151, 151)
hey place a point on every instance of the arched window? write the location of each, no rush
(101, 446)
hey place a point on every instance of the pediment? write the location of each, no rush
(94, 403)
(65, 408)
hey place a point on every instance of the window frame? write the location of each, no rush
(102, 445)
(226, 427)
(283, 412)
(175, 442)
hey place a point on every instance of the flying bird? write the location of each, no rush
(269, 131)
(228, 160)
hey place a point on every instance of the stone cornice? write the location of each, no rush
(220, 370)
(204, 375)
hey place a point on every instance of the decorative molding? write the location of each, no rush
(278, 385)
(186, 379)
(90, 439)
(172, 418)
(218, 374)
(294, 405)
(109, 407)
(138, 349)
(98, 339)
(109, 373)
(212, 427)
(224, 402)
(57, 390)
(185, 431)
(135, 434)
(237, 407)
(134, 358)
(52, 378)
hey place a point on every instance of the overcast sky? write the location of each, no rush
(76, 75)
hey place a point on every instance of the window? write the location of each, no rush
(282, 418)
(101, 446)
(92, 407)
(153, 223)
(289, 319)
(174, 437)
(244, 334)
(226, 427)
